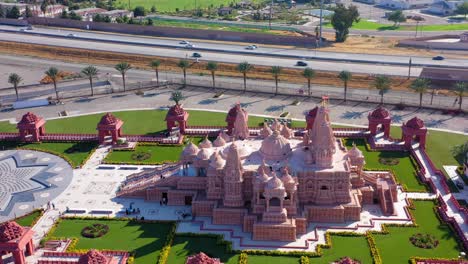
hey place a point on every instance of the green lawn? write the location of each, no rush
(5, 126)
(395, 247)
(146, 239)
(368, 25)
(404, 170)
(185, 246)
(76, 152)
(27, 220)
(158, 155)
(171, 5)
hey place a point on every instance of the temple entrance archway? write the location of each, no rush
(188, 200)
(274, 201)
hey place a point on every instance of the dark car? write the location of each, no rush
(301, 63)
(196, 55)
(438, 58)
(460, 185)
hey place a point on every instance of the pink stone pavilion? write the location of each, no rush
(275, 184)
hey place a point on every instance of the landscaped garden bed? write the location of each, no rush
(95, 230)
(145, 154)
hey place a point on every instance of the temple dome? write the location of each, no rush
(29, 118)
(275, 147)
(225, 136)
(93, 257)
(219, 141)
(274, 183)
(216, 161)
(175, 110)
(265, 131)
(287, 178)
(108, 119)
(415, 123)
(201, 258)
(380, 113)
(190, 150)
(242, 149)
(10, 230)
(287, 132)
(204, 154)
(206, 143)
(354, 152)
(263, 177)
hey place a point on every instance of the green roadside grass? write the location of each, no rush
(145, 239)
(171, 5)
(29, 219)
(369, 25)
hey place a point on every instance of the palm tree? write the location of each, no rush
(53, 74)
(90, 72)
(345, 76)
(123, 67)
(382, 83)
(460, 89)
(244, 68)
(420, 86)
(15, 79)
(276, 71)
(308, 73)
(155, 65)
(212, 67)
(184, 64)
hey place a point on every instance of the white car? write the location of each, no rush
(184, 42)
(71, 35)
(250, 47)
(189, 46)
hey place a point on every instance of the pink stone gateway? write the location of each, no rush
(275, 184)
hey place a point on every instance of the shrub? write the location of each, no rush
(95, 230)
(243, 258)
(389, 161)
(139, 156)
(424, 240)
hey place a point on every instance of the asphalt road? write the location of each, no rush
(211, 56)
(239, 50)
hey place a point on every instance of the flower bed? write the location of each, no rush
(139, 156)
(424, 240)
(95, 230)
(389, 161)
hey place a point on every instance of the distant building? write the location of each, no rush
(223, 11)
(444, 77)
(51, 10)
(405, 4)
(444, 8)
(114, 14)
(87, 14)
(464, 37)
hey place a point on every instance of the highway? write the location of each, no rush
(226, 48)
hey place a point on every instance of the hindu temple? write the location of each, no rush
(273, 181)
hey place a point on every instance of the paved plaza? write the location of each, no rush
(30, 179)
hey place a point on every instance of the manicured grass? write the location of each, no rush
(159, 154)
(171, 5)
(27, 220)
(146, 239)
(5, 126)
(395, 247)
(76, 152)
(404, 170)
(185, 246)
(369, 25)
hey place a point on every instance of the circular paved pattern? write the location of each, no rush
(29, 179)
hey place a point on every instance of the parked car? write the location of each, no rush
(184, 42)
(250, 47)
(460, 185)
(196, 55)
(189, 46)
(438, 58)
(301, 63)
(72, 35)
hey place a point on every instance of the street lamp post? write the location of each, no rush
(271, 10)
(321, 17)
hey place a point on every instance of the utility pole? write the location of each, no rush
(417, 24)
(321, 17)
(409, 67)
(271, 10)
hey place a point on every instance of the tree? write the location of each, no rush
(177, 96)
(276, 71)
(212, 67)
(420, 86)
(107, 19)
(74, 16)
(54, 74)
(98, 18)
(123, 67)
(345, 76)
(459, 152)
(460, 89)
(64, 14)
(139, 11)
(44, 5)
(462, 9)
(155, 65)
(244, 68)
(153, 9)
(343, 19)
(308, 73)
(149, 21)
(13, 13)
(382, 83)
(90, 72)
(397, 17)
(184, 65)
(15, 79)
(28, 12)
